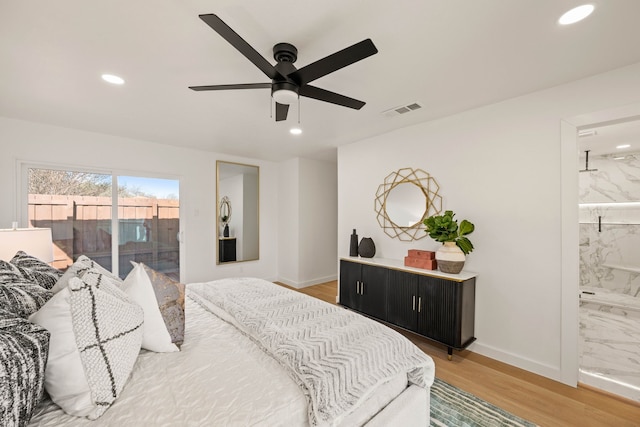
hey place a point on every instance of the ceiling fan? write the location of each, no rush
(288, 82)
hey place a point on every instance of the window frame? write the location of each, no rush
(22, 192)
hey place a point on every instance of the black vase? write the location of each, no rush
(225, 232)
(353, 247)
(367, 248)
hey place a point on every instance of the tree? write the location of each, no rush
(72, 183)
(68, 183)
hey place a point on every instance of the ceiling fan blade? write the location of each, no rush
(239, 43)
(281, 112)
(228, 87)
(332, 97)
(334, 62)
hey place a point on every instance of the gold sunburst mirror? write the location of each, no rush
(406, 198)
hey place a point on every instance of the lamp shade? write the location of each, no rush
(36, 242)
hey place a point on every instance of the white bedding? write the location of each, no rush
(220, 378)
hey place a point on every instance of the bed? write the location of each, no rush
(254, 353)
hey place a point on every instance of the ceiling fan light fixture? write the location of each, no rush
(284, 96)
(284, 93)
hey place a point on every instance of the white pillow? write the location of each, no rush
(79, 268)
(155, 337)
(84, 375)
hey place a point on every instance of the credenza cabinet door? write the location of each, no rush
(364, 288)
(350, 275)
(373, 291)
(447, 311)
(402, 299)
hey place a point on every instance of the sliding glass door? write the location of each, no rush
(148, 224)
(139, 221)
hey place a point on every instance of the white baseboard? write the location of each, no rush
(306, 283)
(545, 370)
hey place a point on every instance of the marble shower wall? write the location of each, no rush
(610, 251)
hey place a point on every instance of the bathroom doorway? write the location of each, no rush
(609, 257)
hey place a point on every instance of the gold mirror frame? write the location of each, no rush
(433, 202)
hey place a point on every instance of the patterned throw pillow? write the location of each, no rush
(78, 268)
(23, 299)
(36, 270)
(9, 273)
(24, 350)
(170, 296)
(18, 294)
(96, 331)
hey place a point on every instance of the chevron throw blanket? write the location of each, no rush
(337, 357)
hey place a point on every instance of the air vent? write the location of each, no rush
(402, 109)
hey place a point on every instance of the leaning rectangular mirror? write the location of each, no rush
(237, 213)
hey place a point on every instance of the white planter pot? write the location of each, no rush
(450, 258)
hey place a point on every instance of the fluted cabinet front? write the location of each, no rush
(441, 309)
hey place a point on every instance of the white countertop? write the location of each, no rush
(397, 264)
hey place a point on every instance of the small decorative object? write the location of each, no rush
(367, 249)
(444, 228)
(225, 232)
(421, 259)
(353, 247)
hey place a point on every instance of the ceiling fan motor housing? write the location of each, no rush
(285, 52)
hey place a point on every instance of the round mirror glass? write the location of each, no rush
(406, 204)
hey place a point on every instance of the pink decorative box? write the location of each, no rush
(418, 253)
(427, 264)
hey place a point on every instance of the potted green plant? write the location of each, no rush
(445, 228)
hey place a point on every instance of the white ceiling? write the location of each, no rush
(448, 55)
(615, 139)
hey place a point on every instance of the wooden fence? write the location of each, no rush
(81, 225)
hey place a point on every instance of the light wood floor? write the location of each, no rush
(530, 396)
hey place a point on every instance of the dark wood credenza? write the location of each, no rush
(436, 305)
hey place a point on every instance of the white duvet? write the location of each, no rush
(220, 378)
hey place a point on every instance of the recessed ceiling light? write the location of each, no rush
(619, 158)
(295, 131)
(576, 14)
(620, 147)
(110, 78)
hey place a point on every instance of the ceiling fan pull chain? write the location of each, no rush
(270, 107)
(298, 109)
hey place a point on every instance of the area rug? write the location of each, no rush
(452, 407)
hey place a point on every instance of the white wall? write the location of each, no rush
(318, 221)
(38, 143)
(500, 167)
(307, 222)
(288, 220)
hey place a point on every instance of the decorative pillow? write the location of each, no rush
(36, 270)
(9, 273)
(155, 337)
(18, 294)
(24, 348)
(96, 331)
(170, 296)
(78, 268)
